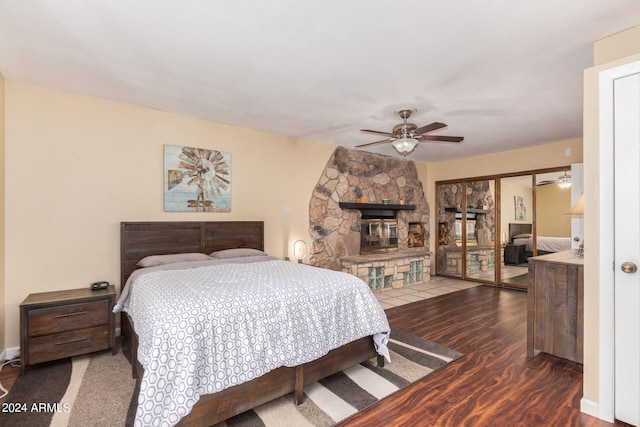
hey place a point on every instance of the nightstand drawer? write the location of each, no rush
(68, 317)
(57, 346)
(59, 324)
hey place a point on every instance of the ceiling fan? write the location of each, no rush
(563, 181)
(406, 136)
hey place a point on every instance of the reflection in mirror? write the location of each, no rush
(553, 201)
(480, 235)
(516, 225)
(449, 252)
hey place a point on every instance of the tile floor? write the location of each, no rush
(436, 286)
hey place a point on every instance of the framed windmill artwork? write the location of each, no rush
(521, 209)
(196, 180)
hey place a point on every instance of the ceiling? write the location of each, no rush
(504, 74)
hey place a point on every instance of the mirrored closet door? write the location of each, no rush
(449, 231)
(488, 227)
(466, 227)
(516, 225)
(480, 230)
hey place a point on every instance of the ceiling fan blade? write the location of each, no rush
(374, 143)
(442, 138)
(429, 128)
(377, 132)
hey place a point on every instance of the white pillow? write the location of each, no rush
(522, 236)
(236, 253)
(155, 260)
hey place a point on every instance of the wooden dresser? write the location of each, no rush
(555, 305)
(59, 324)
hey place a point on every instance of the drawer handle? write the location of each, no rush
(71, 342)
(77, 313)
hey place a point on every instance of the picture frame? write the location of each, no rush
(196, 179)
(520, 208)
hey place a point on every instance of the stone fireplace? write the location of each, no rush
(368, 216)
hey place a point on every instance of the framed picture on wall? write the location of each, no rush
(521, 209)
(196, 179)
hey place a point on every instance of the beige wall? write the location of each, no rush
(538, 157)
(2, 247)
(552, 202)
(615, 48)
(508, 190)
(76, 166)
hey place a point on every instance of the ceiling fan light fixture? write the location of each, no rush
(405, 145)
(406, 136)
(564, 181)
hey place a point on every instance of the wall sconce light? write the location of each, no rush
(299, 250)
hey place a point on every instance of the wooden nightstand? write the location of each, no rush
(59, 324)
(514, 254)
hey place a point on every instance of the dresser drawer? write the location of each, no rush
(66, 344)
(67, 317)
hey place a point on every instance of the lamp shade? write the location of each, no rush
(404, 145)
(299, 250)
(578, 208)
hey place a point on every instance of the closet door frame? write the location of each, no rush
(497, 214)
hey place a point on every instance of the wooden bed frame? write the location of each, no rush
(141, 239)
(517, 228)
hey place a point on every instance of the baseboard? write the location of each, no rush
(10, 353)
(592, 408)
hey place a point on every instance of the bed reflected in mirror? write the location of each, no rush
(533, 221)
(553, 225)
(516, 206)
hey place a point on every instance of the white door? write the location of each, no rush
(627, 248)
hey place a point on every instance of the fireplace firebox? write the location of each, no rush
(378, 236)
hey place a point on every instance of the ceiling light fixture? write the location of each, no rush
(405, 145)
(564, 181)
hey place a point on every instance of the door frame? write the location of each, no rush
(606, 368)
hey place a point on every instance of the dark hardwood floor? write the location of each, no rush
(494, 384)
(8, 376)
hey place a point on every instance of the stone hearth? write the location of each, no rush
(393, 270)
(352, 175)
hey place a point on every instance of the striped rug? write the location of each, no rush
(98, 390)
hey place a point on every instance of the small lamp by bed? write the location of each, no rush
(299, 250)
(578, 210)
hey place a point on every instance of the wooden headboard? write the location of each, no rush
(519, 229)
(141, 239)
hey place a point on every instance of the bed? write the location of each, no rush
(521, 234)
(140, 240)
